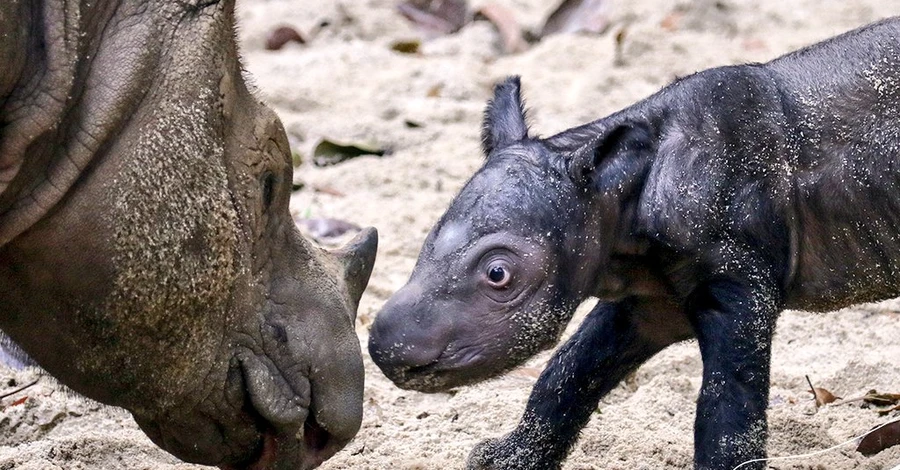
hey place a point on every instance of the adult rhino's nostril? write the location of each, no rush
(320, 445)
(315, 436)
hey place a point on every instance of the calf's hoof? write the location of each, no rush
(482, 456)
(508, 454)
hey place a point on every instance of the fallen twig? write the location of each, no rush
(23, 387)
(819, 452)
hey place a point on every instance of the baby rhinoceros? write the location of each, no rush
(700, 212)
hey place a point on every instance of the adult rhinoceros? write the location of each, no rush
(147, 257)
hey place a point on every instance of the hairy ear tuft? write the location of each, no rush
(504, 118)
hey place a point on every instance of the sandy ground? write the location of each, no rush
(348, 84)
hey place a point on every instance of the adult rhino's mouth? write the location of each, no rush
(291, 437)
(316, 446)
(276, 424)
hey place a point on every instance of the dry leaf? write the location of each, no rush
(436, 17)
(884, 412)
(574, 16)
(280, 36)
(823, 397)
(330, 151)
(872, 397)
(406, 46)
(505, 21)
(883, 437)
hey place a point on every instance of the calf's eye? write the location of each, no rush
(498, 275)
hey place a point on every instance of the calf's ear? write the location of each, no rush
(615, 160)
(504, 118)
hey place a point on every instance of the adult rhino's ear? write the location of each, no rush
(615, 159)
(504, 118)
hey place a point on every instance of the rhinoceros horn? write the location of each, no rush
(357, 258)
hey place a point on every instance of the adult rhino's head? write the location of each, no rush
(147, 256)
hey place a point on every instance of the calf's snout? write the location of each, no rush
(405, 337)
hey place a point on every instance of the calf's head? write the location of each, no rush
(519, 248)
(164, 274)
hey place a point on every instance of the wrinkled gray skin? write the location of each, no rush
(702, 211)
(147, 256)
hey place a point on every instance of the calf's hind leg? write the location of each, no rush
(613, 340)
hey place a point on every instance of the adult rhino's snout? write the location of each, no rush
(357, 258)
(305, 384)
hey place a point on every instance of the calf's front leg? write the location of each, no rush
(613, 340)
(734, 322)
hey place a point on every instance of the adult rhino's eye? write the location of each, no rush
(498, 275)
(268, 189)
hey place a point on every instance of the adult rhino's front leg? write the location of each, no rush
(613, 340)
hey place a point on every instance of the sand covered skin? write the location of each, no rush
(347, 84)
